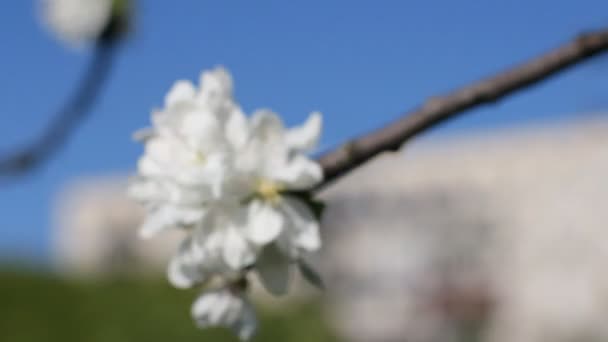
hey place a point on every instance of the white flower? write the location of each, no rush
(226, 308)
(215, 248)
(186, 163)
(77, 21)
(167, 204)
(274, 161)
(240, 189)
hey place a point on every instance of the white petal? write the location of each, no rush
(265, 149)
(303, 226)
(237, 129)
(208, 308)
(304, 138)
(186, 267)
(247, 324)
(216, 92)
(190, 216)
(212, 239)
(264, 222)
(166, 122)
(225, 308)
(216, 173)
(182, 195)
(216, 82)
(156, 222)
(300, 173)
(168, 216)
(250, 159)
(142, 189)
(177, 277)
(267, 126)
(142, 135)
(287, 246)
(157, 152)
(180, 92)
(201, 130)
(273, 270)
(238, 254)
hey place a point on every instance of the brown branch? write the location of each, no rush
(67, 119)
(440, 109)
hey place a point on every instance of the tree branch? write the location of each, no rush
(440, 109)
(67, 119)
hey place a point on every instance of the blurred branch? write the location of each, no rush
(440, 109)
(67, 119)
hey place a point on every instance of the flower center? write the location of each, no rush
(269, 190)
(199, 157)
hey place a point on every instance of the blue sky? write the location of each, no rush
(361, 63)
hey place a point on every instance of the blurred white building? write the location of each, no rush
(96, 230)
(501, 236)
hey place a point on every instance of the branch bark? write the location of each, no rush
(67, 119)
(440, 109)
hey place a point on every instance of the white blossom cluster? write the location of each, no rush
(238, 186)
(77, 21)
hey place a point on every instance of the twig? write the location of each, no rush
(67, 119)
(437, 110)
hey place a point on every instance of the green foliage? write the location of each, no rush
(316, 206)
(311, 275)
(38, 307)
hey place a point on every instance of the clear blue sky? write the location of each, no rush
(362, 63)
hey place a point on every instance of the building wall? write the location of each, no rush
(501, 235)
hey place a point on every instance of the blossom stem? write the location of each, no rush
(67, 119)
(239, 285)
(438, 110)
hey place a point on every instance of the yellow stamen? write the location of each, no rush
(269, 190)
(199, 157)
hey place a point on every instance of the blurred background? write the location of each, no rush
(490, 228)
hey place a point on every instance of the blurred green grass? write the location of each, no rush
(43, 307)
